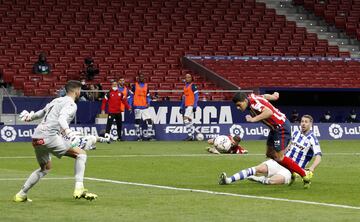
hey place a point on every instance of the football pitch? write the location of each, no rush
(178, 181)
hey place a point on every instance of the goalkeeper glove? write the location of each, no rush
(25, 116)
(71, 134)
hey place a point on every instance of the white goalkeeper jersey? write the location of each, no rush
(56, 115)
(303, 148)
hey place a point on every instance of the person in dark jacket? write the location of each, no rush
(114, 98)
(41, 66)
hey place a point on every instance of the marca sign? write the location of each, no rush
(203, 115)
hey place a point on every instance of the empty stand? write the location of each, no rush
(344, 14)
(309, 74)
(127, 37)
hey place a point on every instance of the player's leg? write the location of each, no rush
(243, 174)
(80, 161)
(150, 129)
(137, 113)
(273, 173)
(44, 160)
(109, 123)
(150, 132)
(118, 119)
(279, 141)
(189, 124)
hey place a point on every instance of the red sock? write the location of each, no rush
(291, 165)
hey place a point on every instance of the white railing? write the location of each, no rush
(4, 91)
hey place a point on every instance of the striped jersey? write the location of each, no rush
(258, 103)
(303, 148)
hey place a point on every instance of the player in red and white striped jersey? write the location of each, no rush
(279, 136)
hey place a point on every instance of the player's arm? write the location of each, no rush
(182, 105)
(317, 151)
(196, 96)
(316, 162)
(103, 104)
(211, 141)
(30, 116)
(131, 96)
(148, 97)
(265, 114)
(271, 97)
(125, 101)
(66, 112)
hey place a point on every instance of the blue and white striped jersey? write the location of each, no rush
(303, 147)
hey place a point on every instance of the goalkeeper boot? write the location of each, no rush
(83, 193)
(222, 179)
(21, 198)
(307, 179)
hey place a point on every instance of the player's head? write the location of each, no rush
(114, 85)
(141, 78)
(188, 78)
(306, 123)
(122, 81)
(73, 88)
(240, 100)
(237, 140)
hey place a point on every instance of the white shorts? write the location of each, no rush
(275, 168)
(189, 113)
(142, 114)
(55, 145)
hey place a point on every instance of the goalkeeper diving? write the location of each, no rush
(226, 145)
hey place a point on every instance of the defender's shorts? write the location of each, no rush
(275, 168)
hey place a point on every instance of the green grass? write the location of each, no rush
(336, 181)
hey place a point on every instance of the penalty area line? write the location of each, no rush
(224, 194)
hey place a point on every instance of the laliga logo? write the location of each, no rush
(237, 130)
(8, 133)
(336, 131)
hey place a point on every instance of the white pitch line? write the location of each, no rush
(197, 191)
(225, 194)
(172, 155)
(49, 178)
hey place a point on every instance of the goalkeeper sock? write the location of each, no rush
(32, 180)
(292, 166)
(80, 170)
(243, 174)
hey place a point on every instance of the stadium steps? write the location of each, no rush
(314, 24)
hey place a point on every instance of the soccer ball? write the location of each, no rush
(222, 143)
(200, 137)
(83, 142)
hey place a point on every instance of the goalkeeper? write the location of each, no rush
(47, 140)
(226, 144)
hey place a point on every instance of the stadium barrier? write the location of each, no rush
(248, 131)
(273, 58)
